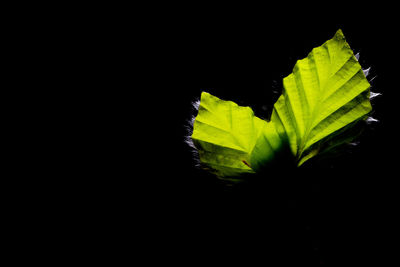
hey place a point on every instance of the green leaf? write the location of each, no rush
(322, 100)
(232, 141)
(225, 135)
(326, 92)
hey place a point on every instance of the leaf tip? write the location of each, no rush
(339, 34)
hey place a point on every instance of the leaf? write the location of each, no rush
(326, 92)
(322, 101)
(225, 135)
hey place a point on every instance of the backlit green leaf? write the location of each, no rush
(326, 92)
(322, 100)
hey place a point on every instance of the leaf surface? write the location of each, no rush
(225, 135)
(326, 91)
(322, 99)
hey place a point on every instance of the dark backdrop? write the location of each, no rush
(334, 212)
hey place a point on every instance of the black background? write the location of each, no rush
(334, 212)
(118, 182)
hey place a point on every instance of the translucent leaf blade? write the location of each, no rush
(326, 91)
